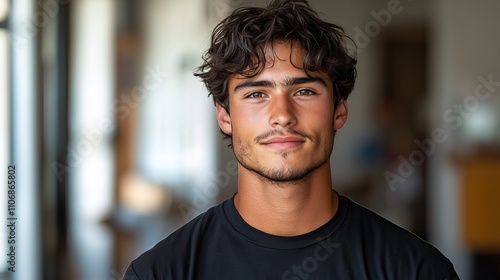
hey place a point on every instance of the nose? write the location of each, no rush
(282, 112)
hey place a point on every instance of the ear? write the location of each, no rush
(224, 119)
(340, 116)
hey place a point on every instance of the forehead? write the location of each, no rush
(283, 59)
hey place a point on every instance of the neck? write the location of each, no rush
(286, 209)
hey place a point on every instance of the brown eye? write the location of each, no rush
(256, 94)
(305, 92)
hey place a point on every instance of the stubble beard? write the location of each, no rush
(280, 174)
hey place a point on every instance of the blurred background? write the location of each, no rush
(115, 142)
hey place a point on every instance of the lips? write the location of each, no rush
(283, 142)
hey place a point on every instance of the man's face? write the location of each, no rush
(282, 121)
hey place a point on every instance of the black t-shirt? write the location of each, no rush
(355, 244)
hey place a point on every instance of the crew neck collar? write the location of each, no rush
(241, 228)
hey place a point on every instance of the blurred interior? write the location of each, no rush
(116, 142)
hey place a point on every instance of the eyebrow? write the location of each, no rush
(289, 81)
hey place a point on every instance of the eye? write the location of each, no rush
(255, 95)
(305, 92)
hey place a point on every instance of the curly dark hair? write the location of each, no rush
(239, 42)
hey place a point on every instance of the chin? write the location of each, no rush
(288, 173)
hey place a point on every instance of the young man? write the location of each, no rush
(280, 78)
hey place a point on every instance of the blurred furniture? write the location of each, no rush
(481, 205)
(481, 211)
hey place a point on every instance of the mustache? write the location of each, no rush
(287, 131)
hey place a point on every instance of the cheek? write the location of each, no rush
(321, 115)
(321, 121)
(242, 129)
(246, 120)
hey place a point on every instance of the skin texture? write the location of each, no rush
(282, 124)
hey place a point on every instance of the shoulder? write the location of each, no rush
(169, 257)
(374, 226)
(398, 249)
